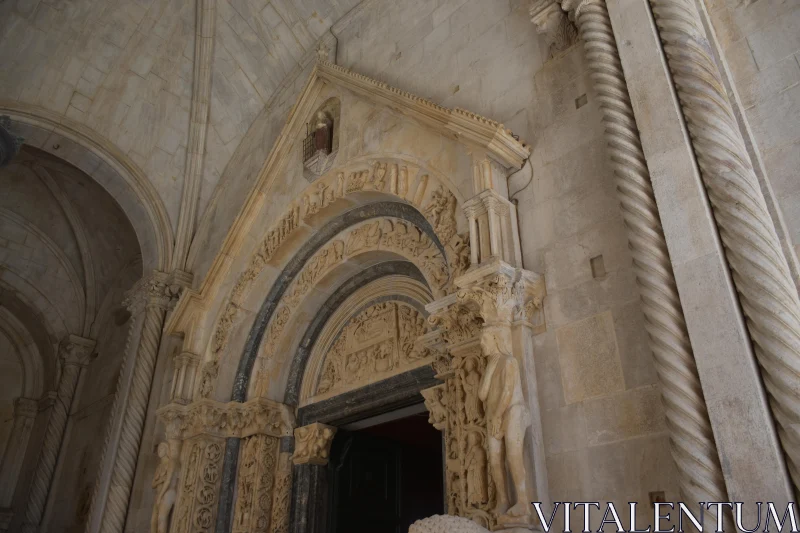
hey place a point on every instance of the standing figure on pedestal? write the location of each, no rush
(507, 418)
(165, 485)
(323, 133)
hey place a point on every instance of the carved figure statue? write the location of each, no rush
(323, 132)
(472, 381)
(507, 419)
(165, 486)
(477, 488)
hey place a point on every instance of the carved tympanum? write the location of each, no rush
(378, 342)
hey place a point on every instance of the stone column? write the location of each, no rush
(25, 410)
(75, 353)
(312, 445)
(157, 294)
(693, 447)
(753, 251)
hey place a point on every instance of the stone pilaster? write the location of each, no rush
(74, 353)
(184, 377)
(761, 272)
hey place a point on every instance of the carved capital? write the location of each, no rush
(552, 22)
(233, 419)
(75, 350)
(436, 403)
(312, 444)
(158, 289)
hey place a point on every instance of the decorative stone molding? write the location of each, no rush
(551, 21)
(74, 353)
(693, 446)
(201, 474)
(312, 444)
(233, 419)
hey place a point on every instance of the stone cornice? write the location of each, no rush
(465, 125)
(234, 419)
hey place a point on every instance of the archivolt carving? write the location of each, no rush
(378, 342)
(385, 234)
(388, 177)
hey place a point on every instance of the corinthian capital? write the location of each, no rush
(75, 350)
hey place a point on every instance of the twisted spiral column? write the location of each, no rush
(75, 354)
(693, 446)
(116, 408)
(116, 506)
(760, 270)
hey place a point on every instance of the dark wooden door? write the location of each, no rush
(382, 485)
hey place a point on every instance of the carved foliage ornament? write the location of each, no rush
(232, 419)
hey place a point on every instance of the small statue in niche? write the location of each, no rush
(477, 488)
(165, 486)
(507, 419)
(323, 133)
(472, 381)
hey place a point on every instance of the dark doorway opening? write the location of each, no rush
(386, 476)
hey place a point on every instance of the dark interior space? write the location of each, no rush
(386, 476)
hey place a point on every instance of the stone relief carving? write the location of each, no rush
(165, 485)
(312, 444)
(233, 419)
(203, 427)
(377, 342)
(381, 176)
(255, 482)
(282, 494)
